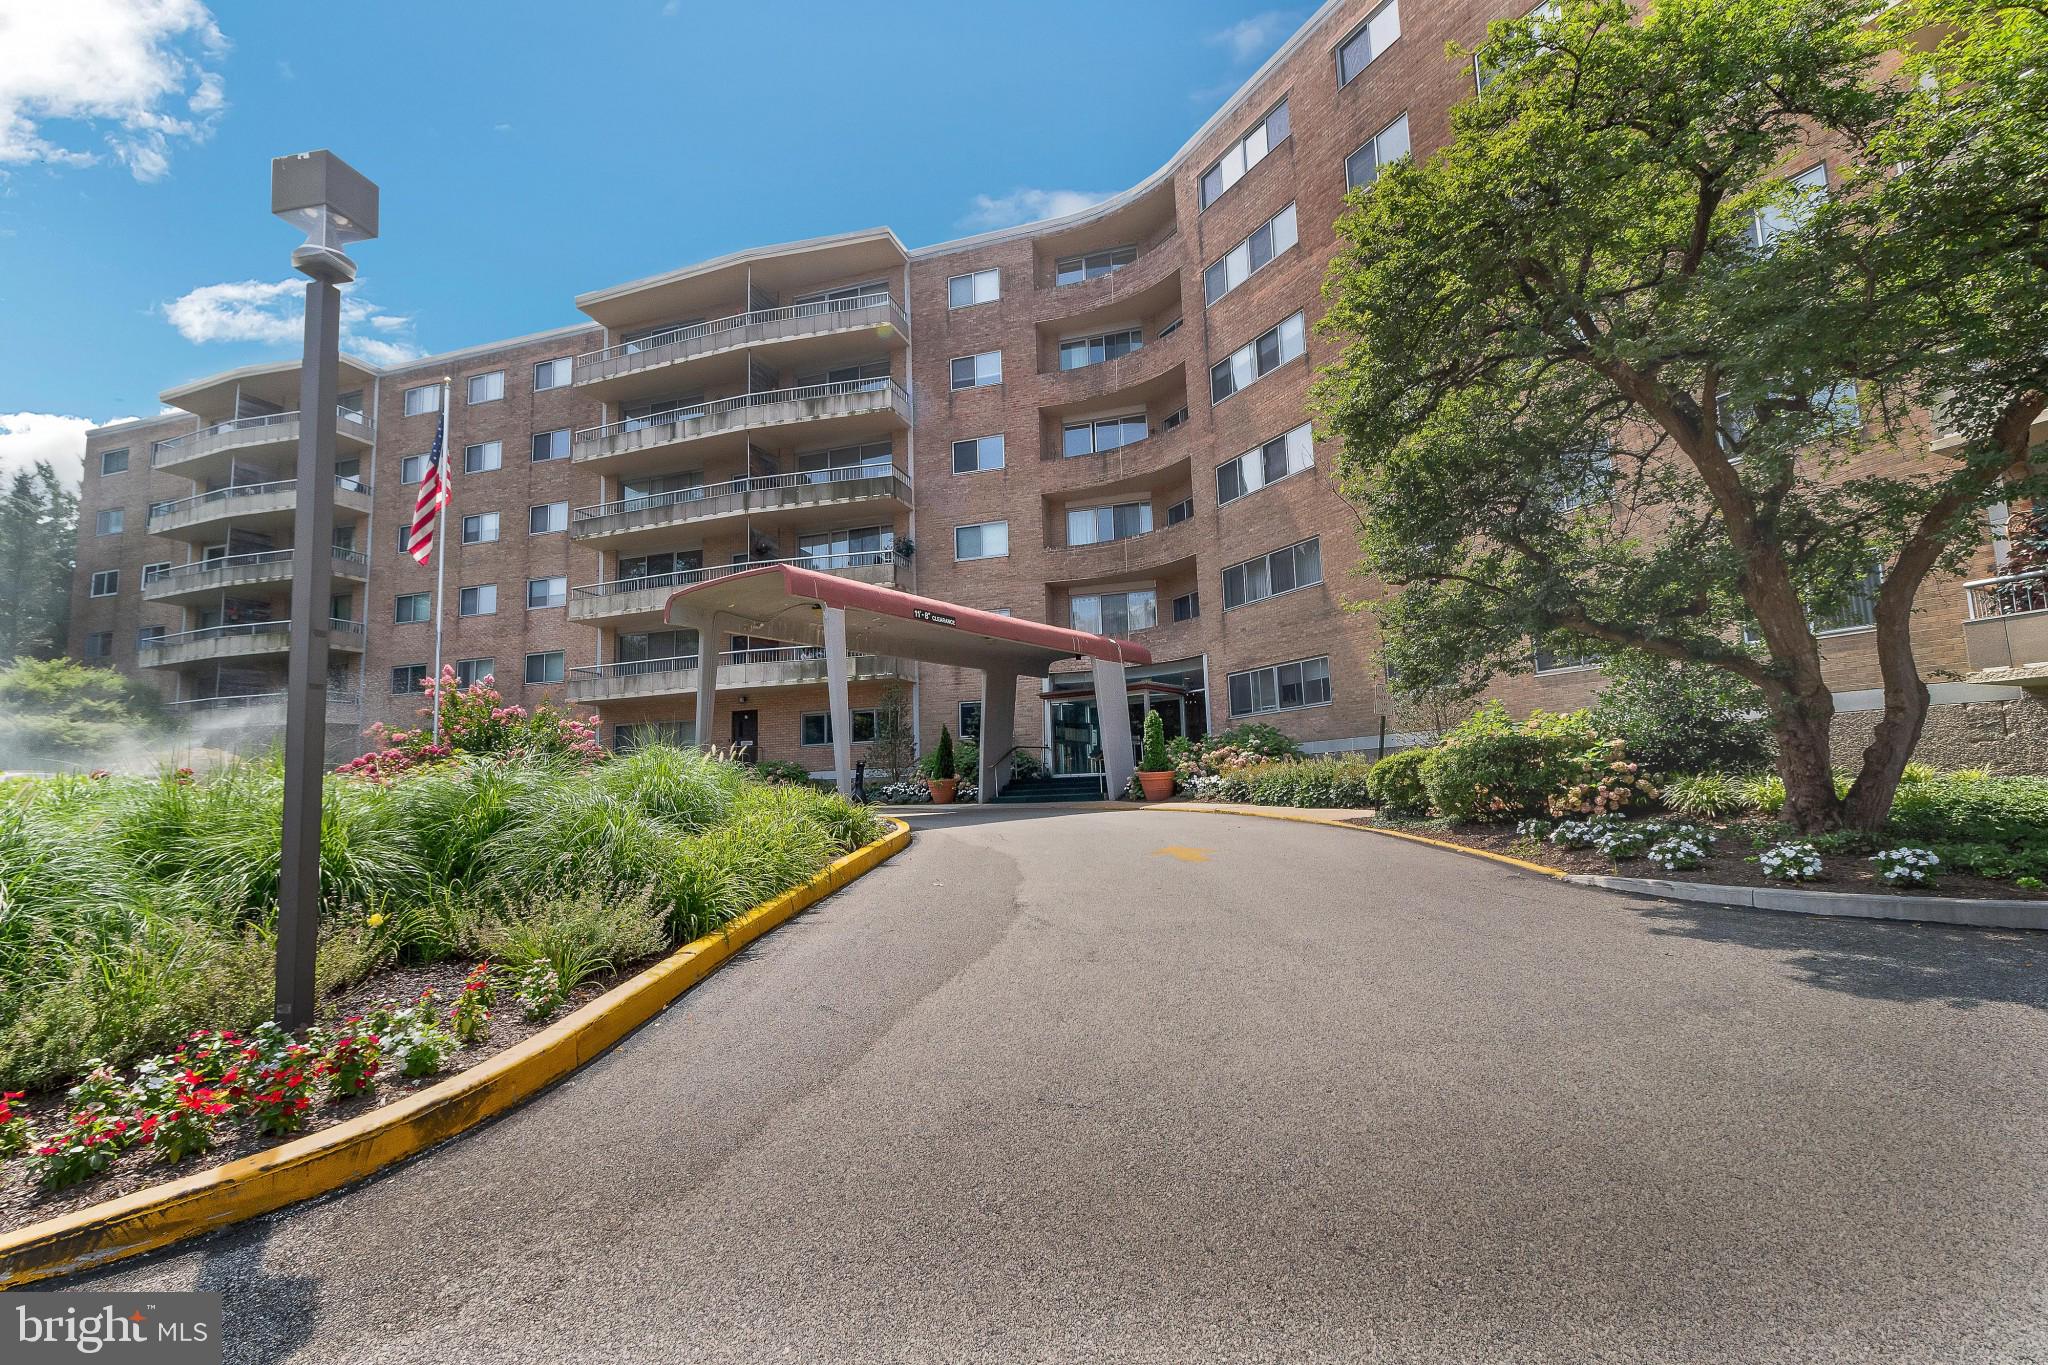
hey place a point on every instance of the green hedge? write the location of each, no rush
(1491, 768)
(1302, 782)
(1395, 782)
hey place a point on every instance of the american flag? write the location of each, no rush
(433, 497)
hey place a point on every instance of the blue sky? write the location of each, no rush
(525, 156)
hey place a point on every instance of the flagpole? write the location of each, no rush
(441, 536)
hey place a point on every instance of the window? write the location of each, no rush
(1082, 352)
(412, 607)
(1095, 525)
(1187, 606)
(99, 645)
(412, 468)
(1174, 418)
(114, 461)
(983, 286)
(426, 398)
(1390, 143)
(1107, 433)
(818, 727)
(1774, 221)
(1184, 510)
(1249, 256)
(1256, 359)
(851, 549)
(404, 538)
(151, 572)
(106, 583)
(469, 672)
(547, 518)
(1368, 41)
(1483, 71)
(549, 667)
(1275, 460)
(546, 592)
(1294, 566)
(978, 371)
(550, 445)
(341, 607)
(407, 678)
(1282, 687)
(1076, 269)
(479, 601)
(109, 522)
(486, 388)
(1588, 476)
(146, 636)
(1858, 611)
(982, 540)
(483, 458)
(550, 374)
(1568, 660)
(1244, 154)
(1114, 613)
(479, 528)
(970, 721)
(978, 456)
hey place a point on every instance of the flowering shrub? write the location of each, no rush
(469, 1019)
(1576, 833)
(280, 1091)
(1678, 852)
(82, 1150)
(13, 1126)
(351, 1063)
(208, 1057)
(1308, 782)
(475, 720)
(186, 1127)
(1622, 842)
(1602, 782)
(1797, 862)
(1532, 829)
(1493, 768)
(539, 990)
(418, 1042)
(103, 1089)
(1906, 866)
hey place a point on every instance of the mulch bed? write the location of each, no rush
(1727, 865)
(22, 1202)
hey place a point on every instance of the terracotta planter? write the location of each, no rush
(942, 789)
(1156, 786)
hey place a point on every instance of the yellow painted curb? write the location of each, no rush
(337, 1156)
(1301, 818)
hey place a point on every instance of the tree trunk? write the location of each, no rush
(1802, 724)
(1869, 803)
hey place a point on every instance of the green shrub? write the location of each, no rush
(683, 786)
(1682, 718)
(2011, 812)
(965, 757)
(1706, 796)
(580, 937)
(1490, 768)
(1153, 759)
(1764, 793)
(1255, 739)
(1307, 782)
(1395, 782)
(782, 770)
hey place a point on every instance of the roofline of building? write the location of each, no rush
(463, 353)
(261, 367)
(745, 256)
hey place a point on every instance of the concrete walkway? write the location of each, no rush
(1119, 1086)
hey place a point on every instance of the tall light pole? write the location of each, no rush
(335, 205)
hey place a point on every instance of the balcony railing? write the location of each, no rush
(350, 630)
(706, 492)
(173, 576)
(222, 496)
(2012, 594)
(797, 664)
(256, 701)
(733, 413)
(704, 338)
(682, 578)
(173, 448)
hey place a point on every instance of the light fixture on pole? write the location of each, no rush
(332, 202)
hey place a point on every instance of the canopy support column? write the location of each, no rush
(998, 732)
(835, 691)
(1113, 720)
(706, 723)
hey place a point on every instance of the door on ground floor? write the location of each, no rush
(746, 735)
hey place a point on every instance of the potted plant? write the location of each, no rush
(1155, 773)
(944, 779)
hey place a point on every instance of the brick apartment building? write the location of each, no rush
(1096, 420)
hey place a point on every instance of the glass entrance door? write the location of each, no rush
(1075, 747)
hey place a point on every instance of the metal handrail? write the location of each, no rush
(253, 699)
(631, 668)
(343, 483)
(152, 574)
(736, 321)
(240, 628)
(172, 443)
(851, 559)
(2012, 594)
(751, 484)
(683, 663)
(739, 402)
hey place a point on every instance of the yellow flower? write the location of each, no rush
(376, 920)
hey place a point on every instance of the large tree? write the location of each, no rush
(1617, 378)
(38, 555)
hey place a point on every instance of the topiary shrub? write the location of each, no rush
(966, 759)
(1491, 768)
(1154, 759)
(1395, 782)
(942, 758)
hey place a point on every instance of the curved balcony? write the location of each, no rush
(254, 506)
(246, 640)
(788, 666)
(1158, 260)
(803, 498)
(1159, 369)
(218, 446)
(845, 410)
(1154, 554)
(645, 367)
(1160, 458)
(202, 579)
(646, 598)
(2007, 625)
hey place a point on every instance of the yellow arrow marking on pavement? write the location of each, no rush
(1185, 855)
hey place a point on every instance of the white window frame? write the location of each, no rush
(477, 593)
(106, 455)
(110, 521)
(1093, 514)
(1002, 528)
(873, 714)
(566, 442)
(977, 286)
(1381, 30)
(1243, 568)
(414, 675)
(486, 525)
(1242, 366)
(1134, 335)
(560, 668)
(1085, 264)
(493, 382)
(1237, 265)
(1299, 449)
(472, 671)
(424, 399)
(545, 373)
(411, 469)
(1248, 151)
(1252, 676)
(105, 583)
(1094, 425)
(986, 367)
(1389, 144)
(557, 594)
(557, 518)
(483, 457)
(1767, 225)
(981, 446)
(1075, 615)
(423, 602)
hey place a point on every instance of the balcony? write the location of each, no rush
(846, 410)
(1154, 554)
(789, 666)
(214, 449)
(642, 368)
(646, 598)
(260, 710)
(202, 579)
(806, 497)
(2007, 626)
(252, 506)
(246, 640)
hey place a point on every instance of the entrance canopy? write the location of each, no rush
(842, 617)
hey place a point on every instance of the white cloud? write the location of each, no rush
(1025, 206)
(26, 437)
(273, 312)
(137, 65)
(1255, 38)
(671, 9)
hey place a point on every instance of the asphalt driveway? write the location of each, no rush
(1176, 1087)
